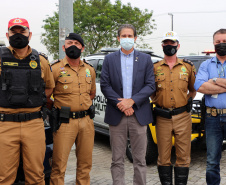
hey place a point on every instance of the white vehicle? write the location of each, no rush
(2, 43)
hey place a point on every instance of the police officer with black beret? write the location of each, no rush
(75, 89)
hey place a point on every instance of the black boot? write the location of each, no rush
(165, 175)
(181, 175)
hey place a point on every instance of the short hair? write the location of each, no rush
(220, 31)
(127, 26)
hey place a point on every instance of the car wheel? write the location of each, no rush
(152, 149)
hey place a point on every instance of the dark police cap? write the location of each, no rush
(74, 36)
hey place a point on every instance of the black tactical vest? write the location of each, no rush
(21, 85)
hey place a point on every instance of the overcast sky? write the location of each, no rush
(195, 21)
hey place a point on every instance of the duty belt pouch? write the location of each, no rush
(65, 114)
(162, 112)
(18, 96)
(91, 111)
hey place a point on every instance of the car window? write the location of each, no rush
(196, 63)
(93, 62)
(98, 70)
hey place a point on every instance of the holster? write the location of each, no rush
(91, 111)
(54, 119)
(45, 112)
(189, 104)
(162, 112)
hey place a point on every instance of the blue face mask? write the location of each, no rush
(127, 43)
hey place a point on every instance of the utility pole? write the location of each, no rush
(171, 14)
(66, 24)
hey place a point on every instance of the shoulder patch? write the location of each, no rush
(87, 63)
(44, 55)
(55, 62)
(188, 61)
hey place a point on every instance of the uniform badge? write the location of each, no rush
(159, 69)
(159, 85)
(63, 72)
(33, 64)
(65, 87)
(88, 73)
(183, 69)
(17, 21)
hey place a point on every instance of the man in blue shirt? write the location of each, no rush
(211, 81)
(127, 81)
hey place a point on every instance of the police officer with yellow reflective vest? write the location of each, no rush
(73, 112)
(26, 81)
(173, 99)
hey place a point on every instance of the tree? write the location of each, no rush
(97, 21)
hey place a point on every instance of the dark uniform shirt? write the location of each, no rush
(172, 85)
(46, 75)
(73, 87)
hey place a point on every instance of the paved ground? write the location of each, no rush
(100, 174)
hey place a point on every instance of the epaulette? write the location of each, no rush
(87, 63)
(188, 61)
(44, 55)
(54, 62)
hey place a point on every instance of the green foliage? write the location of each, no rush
(97, 21)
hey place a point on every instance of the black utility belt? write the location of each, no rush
(80, 114)
(168, 113)
(65, 113)
(20, 116)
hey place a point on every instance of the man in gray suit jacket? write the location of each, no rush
(127, 81)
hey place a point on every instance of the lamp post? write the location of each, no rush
(171, 14)
(65, 22)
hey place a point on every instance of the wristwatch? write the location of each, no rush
(214, 80)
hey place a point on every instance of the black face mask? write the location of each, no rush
(18, 41)
(73, 52)
(221, 49)
(169, 50)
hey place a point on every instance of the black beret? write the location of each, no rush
(74, 36)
